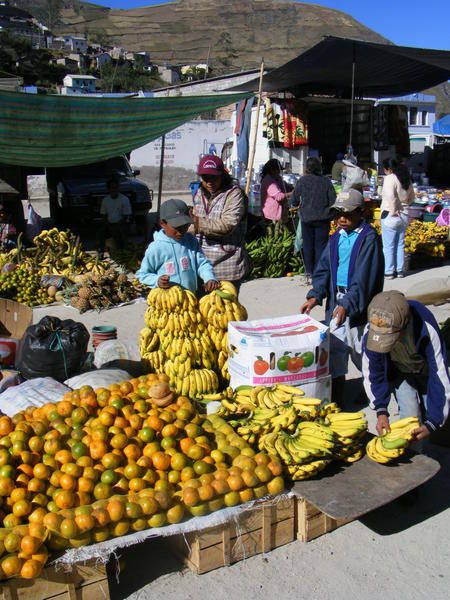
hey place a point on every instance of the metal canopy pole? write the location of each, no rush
(161, 174)
(353, 95)
(255, 131)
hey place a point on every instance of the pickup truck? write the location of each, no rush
(76, 193)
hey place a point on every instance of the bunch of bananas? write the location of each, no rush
(383, 449)
(54, 252)
(218, 309)
(187, 340)
(273, 254)
(303, 432)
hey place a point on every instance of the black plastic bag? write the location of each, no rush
(53, 348)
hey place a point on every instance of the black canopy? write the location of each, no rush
(380, 70)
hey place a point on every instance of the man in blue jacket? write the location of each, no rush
(349, 274)
(404, 354)
(175, 257)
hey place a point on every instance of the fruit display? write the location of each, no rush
(426, 238)
(303, 432)
(24, 285)
(390, 446)
(273, 253)
(101, 464)
(102, 291)
(128, 258)
(186, 338)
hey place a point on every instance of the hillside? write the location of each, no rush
(235, 34)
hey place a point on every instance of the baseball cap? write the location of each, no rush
(348, 201)
(175, 212)
(388, 315)
(210, 165)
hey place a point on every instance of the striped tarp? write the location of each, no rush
(58, 131)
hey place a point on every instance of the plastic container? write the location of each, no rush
(430, 217)
(103, 333)
(415, 212)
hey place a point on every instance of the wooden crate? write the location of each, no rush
(83, 582)
(261, 528)
(312, 523)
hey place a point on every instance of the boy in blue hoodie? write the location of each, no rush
(348, 275)
(174, 257)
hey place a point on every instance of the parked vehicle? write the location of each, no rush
(76, 193)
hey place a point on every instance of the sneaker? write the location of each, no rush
(400, 275)
(391, 276)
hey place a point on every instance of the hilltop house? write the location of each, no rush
(21, 23)
(78, 84)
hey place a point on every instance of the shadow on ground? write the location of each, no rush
(140, 565)
(421, 504)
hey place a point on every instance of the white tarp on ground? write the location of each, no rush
(184, 145)
(103, 551)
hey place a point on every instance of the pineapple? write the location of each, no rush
(122, 279)
(84, 292)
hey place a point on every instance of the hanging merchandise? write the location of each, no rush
(285, 124)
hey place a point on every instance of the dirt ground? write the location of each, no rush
(398, 551)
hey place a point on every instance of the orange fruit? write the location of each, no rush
(136, 484)
(37, 530)
(249, 478)
(187, 473)
(36, 443)
(100, 534)
(12, 542)
(220, 486)
(132, 471)
(67, 482)
(69, 529)
(97, 449)
(102, 491)
(37, 516)
(41, 471)
(120, 528)
(201, 467)
(260, 491)
(6, 426)
(52, 522)
(157, 520)
(195, 452)
(263, 473)
(11, 521)
(235, 482)
(22, 508)
(31, 569)
(119, 441)
(246, 495)
(11, 565)
(132, 452)
(206, 492)
(163, 499)
(178, 461)
(161, 461)
(30, 544)
(232, 498)
(175, 514)
(116, 510)
(101, 517)
(191, 496)
(18, 494)
(72, 469)
(276, 486)
(155, 423)
(148, 505)
(85, 522)
(65, 499)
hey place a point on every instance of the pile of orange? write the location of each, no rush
(101, 464)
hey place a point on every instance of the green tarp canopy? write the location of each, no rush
(59, 131)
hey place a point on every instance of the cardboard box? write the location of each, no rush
(319, 388)
(291, 350)
(15, 318)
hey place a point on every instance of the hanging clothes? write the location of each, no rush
(243, 139)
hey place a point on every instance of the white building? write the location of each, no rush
(78, 84)
(76, 44)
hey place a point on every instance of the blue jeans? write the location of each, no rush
(410, 394)
(315, 238)
(393, 235)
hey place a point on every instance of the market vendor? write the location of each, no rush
(116, 212)
(353, 176)
(220, 221)
(348, 276)
(404, 354)
(8, 233)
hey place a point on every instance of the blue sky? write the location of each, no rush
(405, 22)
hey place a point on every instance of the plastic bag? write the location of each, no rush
(444, 217)
(98, 379)
(108, 351)
(53, 348)
(34, 223)
(298, 244)
(36, 392)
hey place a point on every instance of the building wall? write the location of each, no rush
(184, 145)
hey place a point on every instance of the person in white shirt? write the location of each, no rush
(116, 211)
(397, 194)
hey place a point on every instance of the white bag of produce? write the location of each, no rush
(98, 379)
(35, 392)
(291, 350)
(109, 351)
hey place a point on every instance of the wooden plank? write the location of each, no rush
(312, 523)
(356, 489)
(84, 582)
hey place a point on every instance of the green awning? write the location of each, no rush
(58, 131)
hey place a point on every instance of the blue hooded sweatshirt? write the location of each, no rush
(365, 276)
(182, 261)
